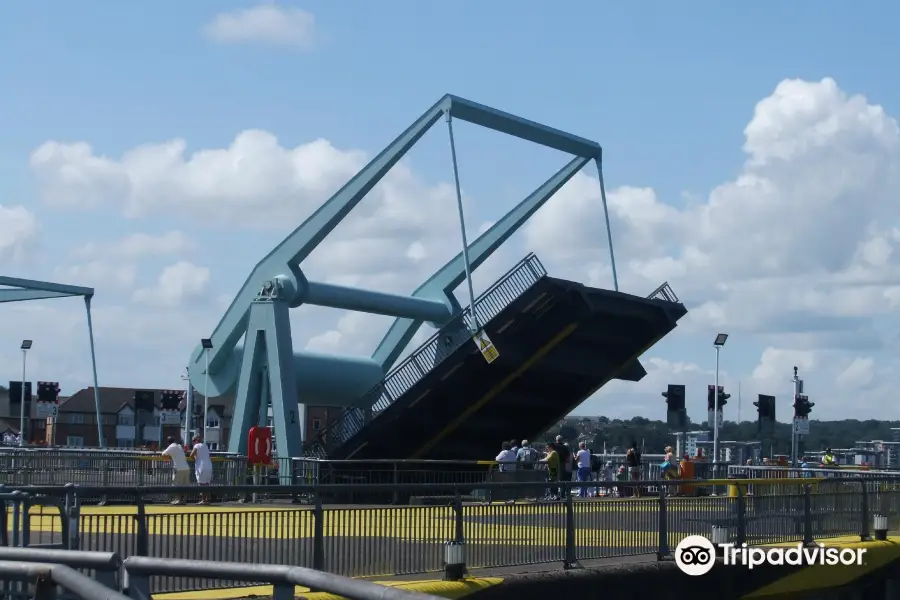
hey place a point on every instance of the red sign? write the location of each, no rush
(259, 446)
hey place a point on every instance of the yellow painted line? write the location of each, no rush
(445, 589)
(820, 577)
(497, 389)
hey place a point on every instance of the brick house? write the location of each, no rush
(123, 427)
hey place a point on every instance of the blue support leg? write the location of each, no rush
(287, 412)
(267, 374)
(249, 389)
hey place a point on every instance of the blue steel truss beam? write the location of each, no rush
(280, 271)
(20, 290)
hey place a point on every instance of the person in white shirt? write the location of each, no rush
(583, 459)
(202, 466)
(506, 459)
(182, 473)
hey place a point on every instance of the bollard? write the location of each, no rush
(454, 561)
(719, 536)
(880, 526)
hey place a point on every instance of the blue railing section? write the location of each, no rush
(418, 364)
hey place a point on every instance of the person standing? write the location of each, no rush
(202, 466)
(553, 468)
(182, 475)
(583, 458)
(633, 461)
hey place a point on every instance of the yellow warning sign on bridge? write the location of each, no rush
(486, 346)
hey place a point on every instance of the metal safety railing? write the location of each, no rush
(664, 292)
(104, 468)
(518, 521)
(843, 472)
(283, 579)
(107, 574)
(413, 369)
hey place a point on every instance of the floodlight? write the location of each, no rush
(720, 339)
(26, 344)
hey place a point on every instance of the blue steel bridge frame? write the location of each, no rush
(20, 290)
(267, 370)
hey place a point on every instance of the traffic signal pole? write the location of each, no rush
(716, 416)
(794, 440)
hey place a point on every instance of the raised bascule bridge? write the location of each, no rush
(511, 363)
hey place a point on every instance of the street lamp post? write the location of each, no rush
(26, 346)
(207, 346)
(718, 343)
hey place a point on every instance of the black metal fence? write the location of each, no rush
(375, 541)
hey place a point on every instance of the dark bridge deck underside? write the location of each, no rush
(559, 342)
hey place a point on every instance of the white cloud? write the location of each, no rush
(266, 23)
(795, 257)
(176, 284)
(18, 233)
(796, 252)
(137, 246)
(99, 274)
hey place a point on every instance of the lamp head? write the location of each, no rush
(26, 344)
(206, 343)
(720, 340)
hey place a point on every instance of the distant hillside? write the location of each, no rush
(656, 435)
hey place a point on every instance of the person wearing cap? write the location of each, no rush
(202, 466)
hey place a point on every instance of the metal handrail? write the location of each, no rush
(425, 358)
(284, 578)
(327, 488)
(51, 575)
(664, 292)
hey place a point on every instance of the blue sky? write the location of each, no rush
(667, 91)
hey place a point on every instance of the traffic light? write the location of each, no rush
(171, 399)
(674, 396)
(765, 406)
(802, 406)
(144, 400)
(711, 397)
(48, 391)
(676, 414)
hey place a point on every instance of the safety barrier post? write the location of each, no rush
(318, 534)
(571, 561)
(17, 521)
(142, 547)
(663, 552)
(864, 535)
(72, 515)
(4, 518)
(741, 509)
(807, 516)
(460, 534)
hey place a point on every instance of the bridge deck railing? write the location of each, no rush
(511, 523)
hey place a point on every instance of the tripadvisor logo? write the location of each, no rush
(696, 555)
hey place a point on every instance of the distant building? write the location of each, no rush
(123, 427)
(76, 423)
(687, 442)
(9, 419)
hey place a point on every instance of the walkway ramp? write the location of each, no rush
(558, 342)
